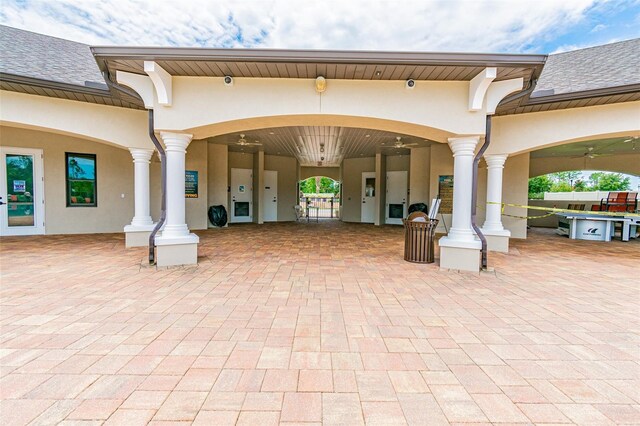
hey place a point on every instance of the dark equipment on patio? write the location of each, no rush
(419, 231)
(218, 216)
(418, 207)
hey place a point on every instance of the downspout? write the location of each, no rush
(163, 166)
(476, 162)
(163, 179)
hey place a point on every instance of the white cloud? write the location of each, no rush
(488, 26)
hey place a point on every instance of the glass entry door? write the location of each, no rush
(21, 192)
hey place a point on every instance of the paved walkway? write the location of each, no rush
(311, 323)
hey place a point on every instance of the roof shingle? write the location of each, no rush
(609, 65)
(48, 58)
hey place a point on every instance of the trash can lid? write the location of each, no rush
(418, 217)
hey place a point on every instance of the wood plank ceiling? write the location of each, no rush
(324, 146)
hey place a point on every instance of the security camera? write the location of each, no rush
(228, 80)
(410, 84)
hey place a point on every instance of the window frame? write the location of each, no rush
(68, 181)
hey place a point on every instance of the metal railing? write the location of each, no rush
(327, 207)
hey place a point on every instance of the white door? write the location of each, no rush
(241, 195)
(368, 211)
(396, 202)
(21, 192)
(270, 201)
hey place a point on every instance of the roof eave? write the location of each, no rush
(325, 56)
(585, 94)
(54, 85)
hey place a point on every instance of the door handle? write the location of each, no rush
(2, 203)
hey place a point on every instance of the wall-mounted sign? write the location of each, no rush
(241, 188)
(445, 192)
(191, 184)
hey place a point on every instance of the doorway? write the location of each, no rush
(396, 205)
(241, 196)
(21, 192)
(368, 209)
(270, 200)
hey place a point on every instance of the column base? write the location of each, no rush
(460, 255)
(174, 251)
(497, 240)
(137, 235)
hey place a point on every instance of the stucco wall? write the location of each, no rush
(196, 208)
(352, 186)
(398, 163)
(419, 178)
(331, 172)
(287, 184)
(114, 178)
(441, 164)
(258, 187)
(217, 176)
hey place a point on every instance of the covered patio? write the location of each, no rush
(317, 323)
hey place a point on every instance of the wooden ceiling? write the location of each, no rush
(324, 146)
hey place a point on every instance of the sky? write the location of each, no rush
(515, 26)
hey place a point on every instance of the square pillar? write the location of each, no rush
(460, 249)
(137, 233)
(176, 245)
(497, 236)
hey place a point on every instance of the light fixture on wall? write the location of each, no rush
(321, 84)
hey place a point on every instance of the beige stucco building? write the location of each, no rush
(243, 127)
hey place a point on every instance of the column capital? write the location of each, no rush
(495, 160)
(177, 142)
(463, 145)
(141, 154)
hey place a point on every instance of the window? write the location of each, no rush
(81, 180)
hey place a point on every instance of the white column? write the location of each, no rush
(175, 225)
(463, 149)
(460, 249)
(495, 166)
(141, 160)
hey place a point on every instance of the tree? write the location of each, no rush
(603, 181)
(568, 178)
(319, 185)
(540, 184)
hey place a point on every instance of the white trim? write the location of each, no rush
(162, 81)
(478, 87)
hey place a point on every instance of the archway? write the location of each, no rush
(319, 197)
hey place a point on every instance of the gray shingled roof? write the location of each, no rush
(48, 58)
(609, 65)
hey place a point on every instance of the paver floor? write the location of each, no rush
(317, 323)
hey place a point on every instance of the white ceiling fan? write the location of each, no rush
(590, 154)
(243, 142)
(398, 144)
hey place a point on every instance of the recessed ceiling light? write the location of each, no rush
(378, 73)
(367, 136)
(271, 133)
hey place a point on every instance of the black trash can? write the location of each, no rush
(419, 232)
(218, 216)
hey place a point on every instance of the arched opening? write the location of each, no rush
(319, 197)
(319, 171)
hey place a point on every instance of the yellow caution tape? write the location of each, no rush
(554, 210)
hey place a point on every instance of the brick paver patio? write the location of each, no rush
(317, 323)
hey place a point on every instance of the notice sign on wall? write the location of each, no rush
(191, 184)
(445, 192)
(19, 186)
